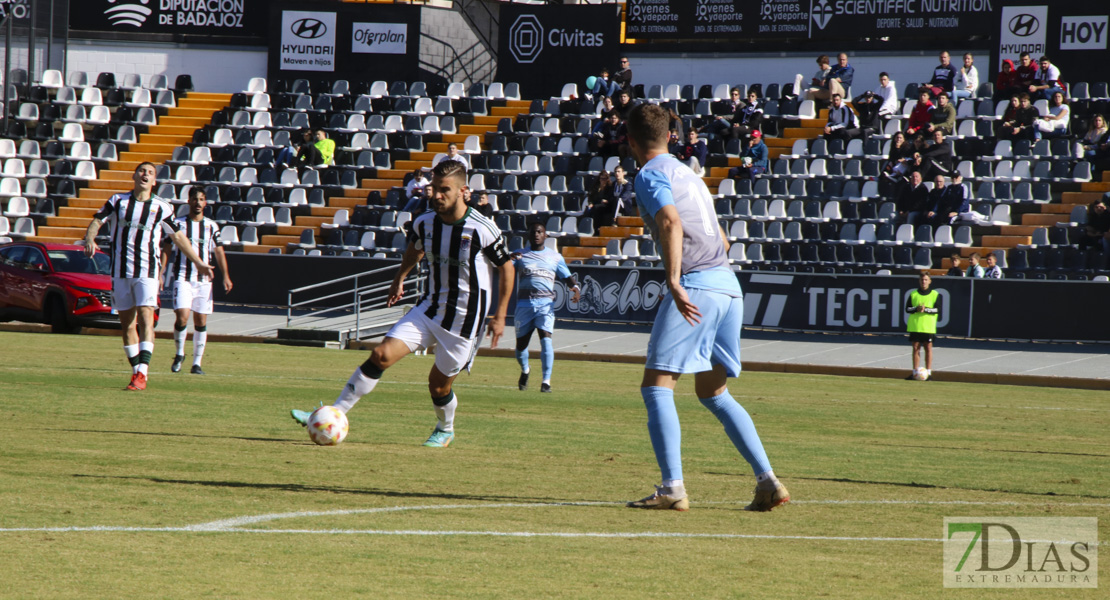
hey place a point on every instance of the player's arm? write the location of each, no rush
(186, 247)
(408, 263)
(221, 260)
(94, 226)
(669, 225)
(568, 278)
(163, 265)
(506, 273)
(910, 308)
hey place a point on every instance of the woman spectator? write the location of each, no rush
(602, 208)
(900, 152)
(1055, 123)
(967, 79)
(1096, 144)
(674, 123)
(1008, 83)
(1008, 117)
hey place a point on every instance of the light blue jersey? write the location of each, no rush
(537, 271)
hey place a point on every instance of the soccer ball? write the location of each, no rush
(327, 426)
(920, 374)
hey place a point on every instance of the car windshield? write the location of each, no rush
(75, 261)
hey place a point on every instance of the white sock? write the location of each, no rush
(200, 338)
(446, 415)
(547, 381)
(768, 478)
(147, 347)
(357, 386)
(132, 351)
(673, 483)
(179, 340)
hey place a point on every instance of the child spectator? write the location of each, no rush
(955, 270)
(921, 116)
(973, 267)
(993, 271)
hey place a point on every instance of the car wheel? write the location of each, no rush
(57, 317)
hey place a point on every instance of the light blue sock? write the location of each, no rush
(547, 357)
(522, 358)
(740, 429)
(666, 436)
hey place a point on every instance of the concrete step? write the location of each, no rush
(1079, 197)
(280, 240)
(313, 221)
(1064, 208)
(578, 252)
(477, 130)
(1042, 220)
(1006, 241)
(630, 222)
(172, 141)
(72, 233)
(1026, 230)
(1095, 186)
(378, 184)
(59, 221)
(807, 133)
(596, 242)
(77, 212)
(97, 196)
(325, 211)
(296, 229)
(619, 232)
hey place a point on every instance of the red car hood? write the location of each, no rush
(85, 280)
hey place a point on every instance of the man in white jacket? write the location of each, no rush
(872, 105)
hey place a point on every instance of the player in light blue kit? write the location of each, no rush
(697, 329)
(538, 267)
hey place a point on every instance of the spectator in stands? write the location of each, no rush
(938, 157)
(1026, 72)
(751, 120)
(602, 209)
(480, 203)
(1009, 117)
(955, 270)
(420, 204)
(873, 105)
(623, 103)
(1096, 233)
(993, 271)
(753, 160)
(416, 185)
(603, 86)
(1021, 127)
(693, 153)
(913, 201)
(943, 116)
(842, 124)
(967, 79)
(622, 191)
(974, 269)
(453, 154)
(837, 80)
(606, 106)
(1007, 84)
(1096, 144)
(733, 108)
(951, 202)
(623, 76)
(675, 123)
(921, 116)
(901, 152)
(308, 153)
(1055, 123)
(935, 200)
(1047, 81)
(817, 82)
(325, 146)
(613, 137)
(944, 76)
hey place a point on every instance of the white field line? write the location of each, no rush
(238, 524)
(1049, 366)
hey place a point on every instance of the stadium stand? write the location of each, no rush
(821, 207)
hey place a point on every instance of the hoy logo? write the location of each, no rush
(1083, 33)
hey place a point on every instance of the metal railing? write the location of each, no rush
(371, 297)
(474, 64)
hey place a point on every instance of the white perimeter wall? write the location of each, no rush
(702, 69)
(214, 69)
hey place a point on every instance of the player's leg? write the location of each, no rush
(522, 322)
(124, 303)
(145, 290)
(201, 307)
(916, 355)
(453, 354)
(182, 303)
(545, 323)
(929, 358)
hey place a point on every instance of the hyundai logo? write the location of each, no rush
(1024, 25)
(308, 29)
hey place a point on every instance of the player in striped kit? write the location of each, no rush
(140, 220)
(538, 267)
(697, 328)
(462, 248)
(192, 292)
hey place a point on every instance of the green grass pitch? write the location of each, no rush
(204, 487)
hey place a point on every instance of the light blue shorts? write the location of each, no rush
(528, 317)
(677, 347)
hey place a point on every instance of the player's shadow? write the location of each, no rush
(183, 435)
(298, 487)
(914, 484)
(995, 450)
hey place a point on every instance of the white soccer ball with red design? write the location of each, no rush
(327, 426)
(921, 374)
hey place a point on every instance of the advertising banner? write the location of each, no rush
(1070, 32)
(543, 47)
(243, 20)
(754, 20)
(341, 42)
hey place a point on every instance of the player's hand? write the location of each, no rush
(90, 248)
(577, 293)
(515, 255)
(685, 307)
(396, 292)
(496, 328)
(227, 284)
(206, 271)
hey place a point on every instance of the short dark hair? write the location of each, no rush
(144, 163)
(197, 191)
(884, 74)
(450, 168)
(537, 224)
(955, 256)
(944, 94)
(1024, 55)
(647, 124)
(1023, 96)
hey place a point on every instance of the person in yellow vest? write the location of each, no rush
(922, 311)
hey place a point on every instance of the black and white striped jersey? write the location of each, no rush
(204, 235)
(137, 231)
(461, 257)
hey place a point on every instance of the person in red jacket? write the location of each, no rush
(921, 115)
(1006, 84)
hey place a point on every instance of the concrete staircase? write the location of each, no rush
(174, 129)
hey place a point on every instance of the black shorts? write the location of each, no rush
(924, 338)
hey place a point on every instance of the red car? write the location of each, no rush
(56, 284)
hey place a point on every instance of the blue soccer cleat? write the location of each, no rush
(300, 416)
(440, 438)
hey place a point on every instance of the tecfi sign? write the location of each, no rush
(379, 38)
(1083, 33)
